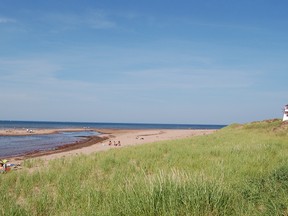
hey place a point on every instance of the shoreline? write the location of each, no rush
(87, 141)
(127, 137)
(31, 132)
(91, 140)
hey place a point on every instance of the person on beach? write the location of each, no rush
(110, 142)
(119, 144)
(3, 165)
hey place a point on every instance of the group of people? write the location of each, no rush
(5, 166)
(114, 143)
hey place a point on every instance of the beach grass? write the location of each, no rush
(239, 170)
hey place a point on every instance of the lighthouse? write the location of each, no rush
(285, 115)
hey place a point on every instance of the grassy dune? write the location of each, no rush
(239, 170)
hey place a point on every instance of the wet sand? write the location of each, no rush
(101, 142)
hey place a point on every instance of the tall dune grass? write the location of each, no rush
(239, 170)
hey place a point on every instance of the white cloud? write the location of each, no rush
(6, 20)
(189, 78)
(32, 89)
(95, 19)
(37, 76)
(99, 20)
(26, 69)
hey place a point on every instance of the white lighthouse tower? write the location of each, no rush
(285, 115)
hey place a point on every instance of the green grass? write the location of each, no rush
(239, 170)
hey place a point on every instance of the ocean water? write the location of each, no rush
(19, 145)
(43, 124)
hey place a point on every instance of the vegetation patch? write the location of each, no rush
(239, 170)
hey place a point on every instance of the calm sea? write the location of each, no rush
(19, 145)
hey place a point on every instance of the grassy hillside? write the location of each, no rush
(239, 170)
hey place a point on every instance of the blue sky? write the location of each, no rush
(195, 62)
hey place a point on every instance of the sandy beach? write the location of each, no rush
(101, 142)
(27, 132)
